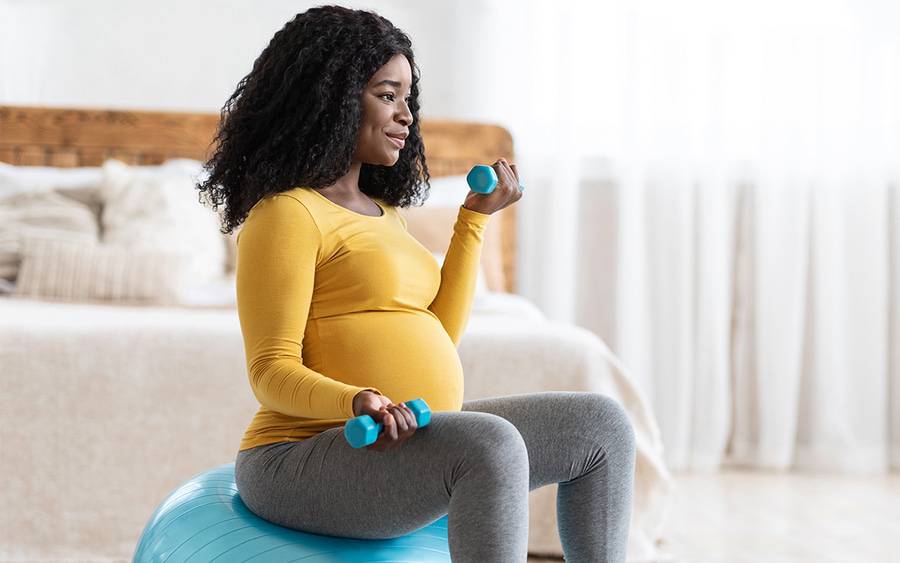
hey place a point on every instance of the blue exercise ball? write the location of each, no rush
(205, 519)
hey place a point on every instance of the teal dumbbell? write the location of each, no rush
(483, 179)
(363, 430)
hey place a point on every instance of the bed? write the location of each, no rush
(109, 405)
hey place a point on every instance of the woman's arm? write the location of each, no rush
(278, 248)
(453, 301)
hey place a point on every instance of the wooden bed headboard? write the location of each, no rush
(66, 137)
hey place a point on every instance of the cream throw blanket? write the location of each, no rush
(105, 409)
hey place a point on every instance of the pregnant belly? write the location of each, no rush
(406, 355)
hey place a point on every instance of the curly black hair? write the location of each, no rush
(293, 120)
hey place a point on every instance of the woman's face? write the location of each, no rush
(386, 116)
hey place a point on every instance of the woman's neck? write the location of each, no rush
(347, 186)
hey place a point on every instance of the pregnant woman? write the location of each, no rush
(344, 313)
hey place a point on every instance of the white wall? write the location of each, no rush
(182, 55)
(189, 55)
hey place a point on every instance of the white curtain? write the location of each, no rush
(712, 187)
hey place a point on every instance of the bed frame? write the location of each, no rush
(66, 137)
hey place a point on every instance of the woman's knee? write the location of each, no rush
(495, 444)
(611, 416)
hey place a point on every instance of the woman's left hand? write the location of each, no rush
(505, 193)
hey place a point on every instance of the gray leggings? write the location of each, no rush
(477, 466)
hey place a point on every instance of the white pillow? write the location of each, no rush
(81, 184)
(65, 271)
(221, 293)
(158, 208)
(44, 214)
(480, 280)
(447, 191)
(500, 303)
(16, 179)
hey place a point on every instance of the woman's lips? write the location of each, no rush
(399, 143)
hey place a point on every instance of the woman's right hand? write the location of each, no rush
(505, 194)
(398, 420)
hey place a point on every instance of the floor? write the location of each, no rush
(744, 516)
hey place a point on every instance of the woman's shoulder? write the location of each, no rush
(289, 205)
(284, 213)
(317, 206)
(286, 198)
(297, 194)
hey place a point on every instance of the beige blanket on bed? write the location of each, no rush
(105, 409)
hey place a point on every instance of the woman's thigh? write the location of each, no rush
(322, 485)
(567, 433)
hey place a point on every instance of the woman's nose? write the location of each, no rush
(405, 117)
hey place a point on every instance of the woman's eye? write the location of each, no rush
(407, 99)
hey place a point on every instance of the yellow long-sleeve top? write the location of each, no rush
(332, 302)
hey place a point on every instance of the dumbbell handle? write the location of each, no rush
(363, 430)
(483, 179)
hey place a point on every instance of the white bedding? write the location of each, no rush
(104, 409)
